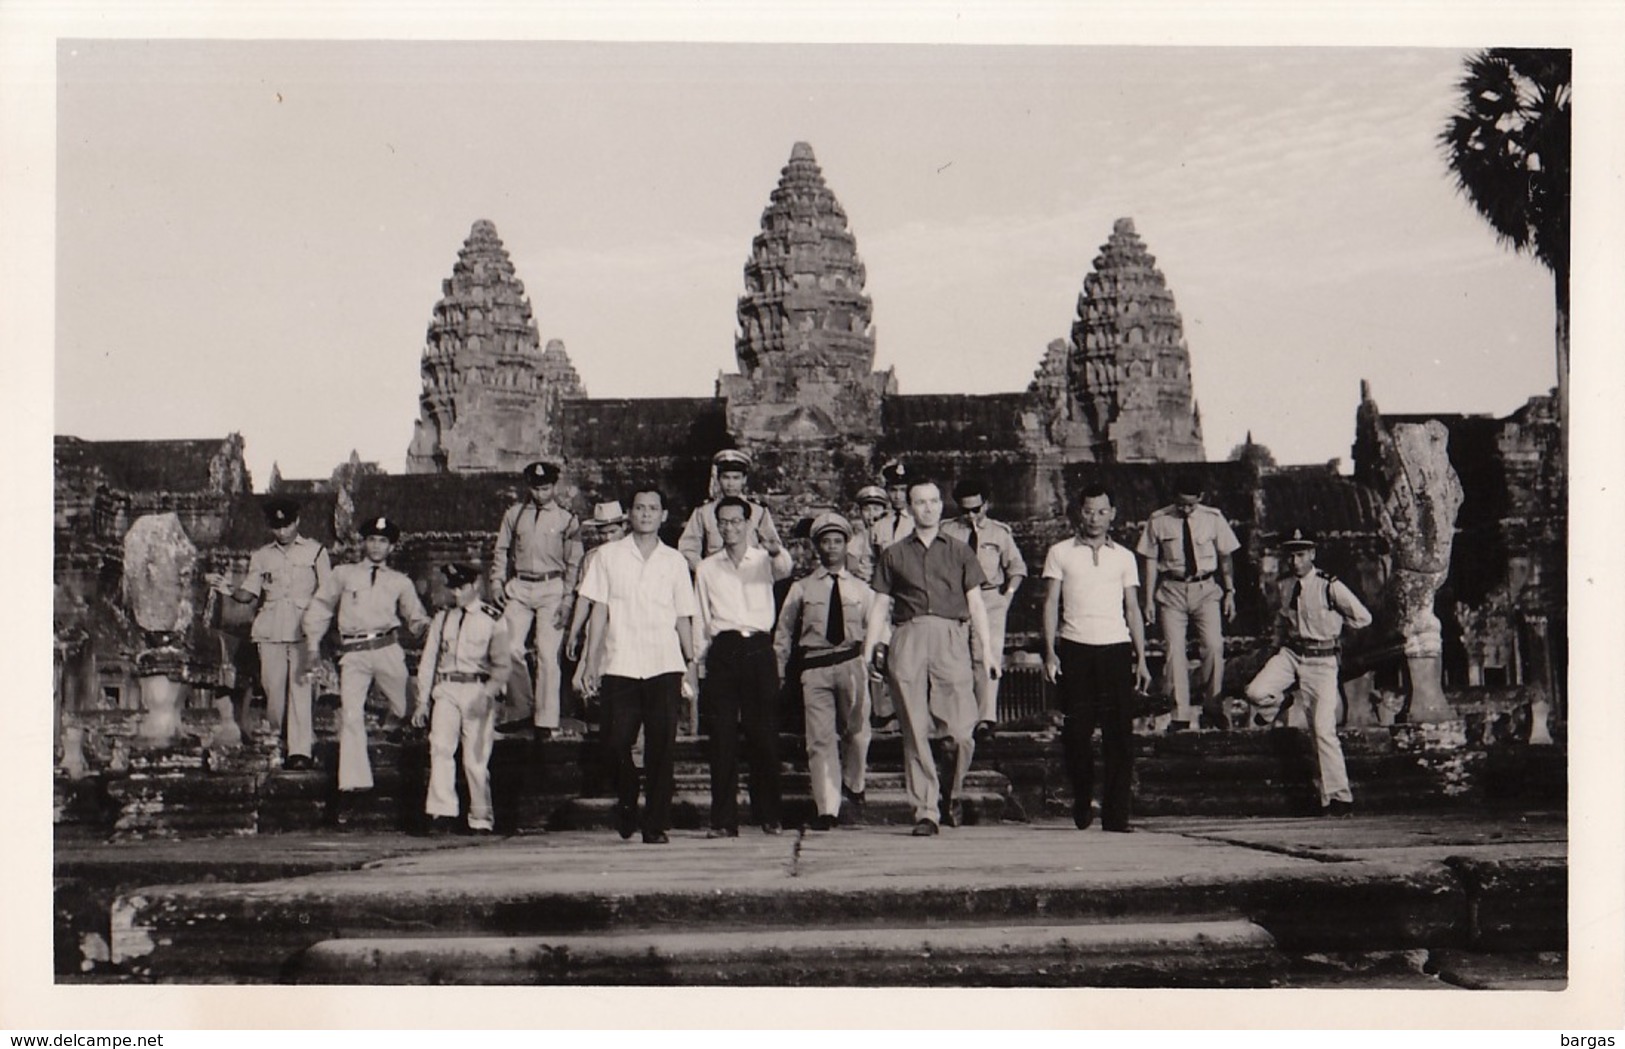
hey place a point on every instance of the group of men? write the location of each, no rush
(903, 617)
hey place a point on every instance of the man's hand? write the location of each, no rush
(770, 544)
(303, 677)
(1142, 675)
(561, 616)
(420, 716)
(218, 583)
(1229, 605)
(1052, 667)
(572, 648)
(1151, 613)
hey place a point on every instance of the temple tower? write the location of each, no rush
(1130, 370)
(805, 344)
(490, 393)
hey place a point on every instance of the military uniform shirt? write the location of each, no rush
(366, 602)
(284, 578)
(1164, 539)
(889, 529)
(467, 639)
(996, 549)
(805, 614)
(536, 540)
(1323, 606)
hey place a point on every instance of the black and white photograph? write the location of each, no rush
(789, 511)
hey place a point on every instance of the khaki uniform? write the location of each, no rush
(535, 566)
(466, 660)
(372, 603)
(1186, 595)
(1314, 611)
(283, 579)
(1001, 563)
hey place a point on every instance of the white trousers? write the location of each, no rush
(281, 663)
(1316, 678)
(987, 689)
(357, 672)
(461, 713)
(533, 605)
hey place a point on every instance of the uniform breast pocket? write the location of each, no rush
(816, 609)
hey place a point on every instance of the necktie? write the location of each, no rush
(975, 537)
(1190, 550)
(835, 626)
(896, 523)
(374, 580)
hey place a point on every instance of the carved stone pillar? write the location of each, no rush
(159, 562)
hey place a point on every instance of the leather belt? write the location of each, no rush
(829, 657)
(1313, 648)
(539, 577)
(741, 635)
(1199, 577)
(991, 586)
(365, 642)
(462, 677)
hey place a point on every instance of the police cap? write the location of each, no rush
(540, 473)
(1298, 539)
(830, 522)
(872, 493)
(280, 513)
(458, 574)
(896, 472)
(381, 526)
(732, 459)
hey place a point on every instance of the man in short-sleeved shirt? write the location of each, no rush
(929, 587)
(1094, 649)
(640, 641)
(1187, 549)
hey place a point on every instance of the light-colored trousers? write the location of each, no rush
(1179, 605)
(534, 605)
(987, 689)
(836, 704)
(281, 664)
(928, 668)
(1316, 677)
(461, 712)
(357, 672)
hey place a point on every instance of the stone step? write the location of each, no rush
(1212, 953)
(691, 809)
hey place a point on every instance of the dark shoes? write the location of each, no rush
(1083, 817)
(925, 829)
(516, 725)
(722, 832)
(985, 731)
(1117, 828)
(953, 813)
(299, 763)
(851, 808)
(657, 838)
(771, 828)
(1338, 809)
(825, 822)
(626, 823)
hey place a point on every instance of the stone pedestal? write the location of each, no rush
(162, 698)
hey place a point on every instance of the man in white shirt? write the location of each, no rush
(1096, 654)
(734, 591)
(640, 643)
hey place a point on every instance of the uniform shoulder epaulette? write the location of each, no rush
(1322, 573)
(491, 610)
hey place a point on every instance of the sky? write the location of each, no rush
(251, 236)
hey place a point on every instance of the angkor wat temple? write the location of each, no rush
(1452, 526)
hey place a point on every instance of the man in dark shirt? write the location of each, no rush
(929, 586)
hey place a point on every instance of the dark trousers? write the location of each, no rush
(1097, 688)
(741, 691)
(650, 704)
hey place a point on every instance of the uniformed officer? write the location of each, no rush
(1004, 568)
(701, 537)
(1315, 609)
(861, 551)
(372, 603)
(821, 625)
(464, 666)
(534, 566)
(1186, 548)
(897, 523)
(282, 575)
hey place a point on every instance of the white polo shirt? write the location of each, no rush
(1092, 585)
(645, 598)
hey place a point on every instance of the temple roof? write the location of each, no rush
(952, 422)
(141, 466)
(607, 428)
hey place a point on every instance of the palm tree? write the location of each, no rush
(1508, 148)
